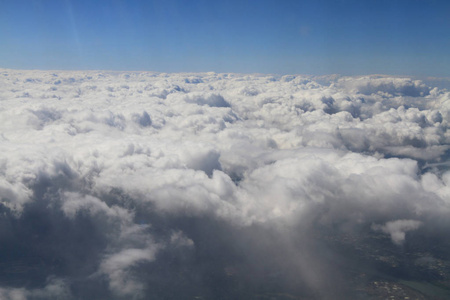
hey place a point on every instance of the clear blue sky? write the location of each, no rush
(404, 37)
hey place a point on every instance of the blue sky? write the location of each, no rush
(398, 37)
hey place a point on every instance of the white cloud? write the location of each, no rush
(143, 172)
(73, 203)
(397, 229)
(116, 267)
(54, 289)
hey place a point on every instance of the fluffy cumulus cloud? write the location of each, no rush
(139, 185)
(397, 229)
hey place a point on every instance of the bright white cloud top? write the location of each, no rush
(131, 185)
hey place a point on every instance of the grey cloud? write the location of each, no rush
(143, 120)
(213, 100)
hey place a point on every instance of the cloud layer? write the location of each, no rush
(218, 186)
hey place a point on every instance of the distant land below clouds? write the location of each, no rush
(149, 185)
